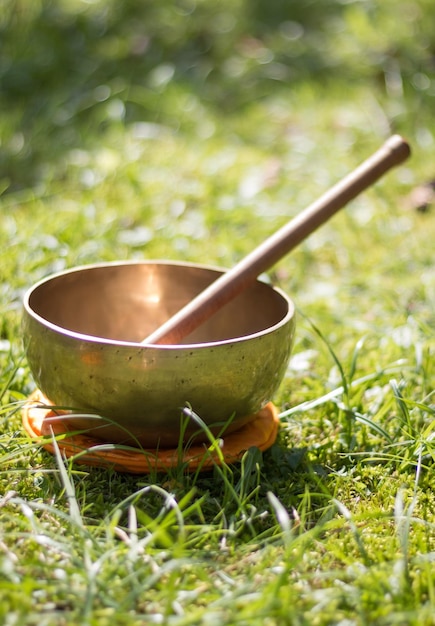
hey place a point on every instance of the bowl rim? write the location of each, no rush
(132, 344)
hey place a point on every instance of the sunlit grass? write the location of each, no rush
(197, 152)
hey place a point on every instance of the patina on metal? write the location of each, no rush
(83, 330)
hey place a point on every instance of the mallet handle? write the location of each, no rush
(394, 151)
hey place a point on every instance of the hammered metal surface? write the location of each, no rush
(82, 332)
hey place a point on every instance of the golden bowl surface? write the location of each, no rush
(83, 330)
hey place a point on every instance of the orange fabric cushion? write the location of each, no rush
(41, 422)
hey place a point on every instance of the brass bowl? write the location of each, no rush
(82, 332)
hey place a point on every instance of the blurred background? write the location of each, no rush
(71, 70)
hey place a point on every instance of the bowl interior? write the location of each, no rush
(125, 302)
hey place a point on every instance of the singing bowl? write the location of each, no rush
(82, 333)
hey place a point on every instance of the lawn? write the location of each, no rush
(191, 130)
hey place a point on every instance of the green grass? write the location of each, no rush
(191, 131)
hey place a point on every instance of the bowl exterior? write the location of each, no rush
(141, 390)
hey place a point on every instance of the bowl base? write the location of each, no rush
(44, 424)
